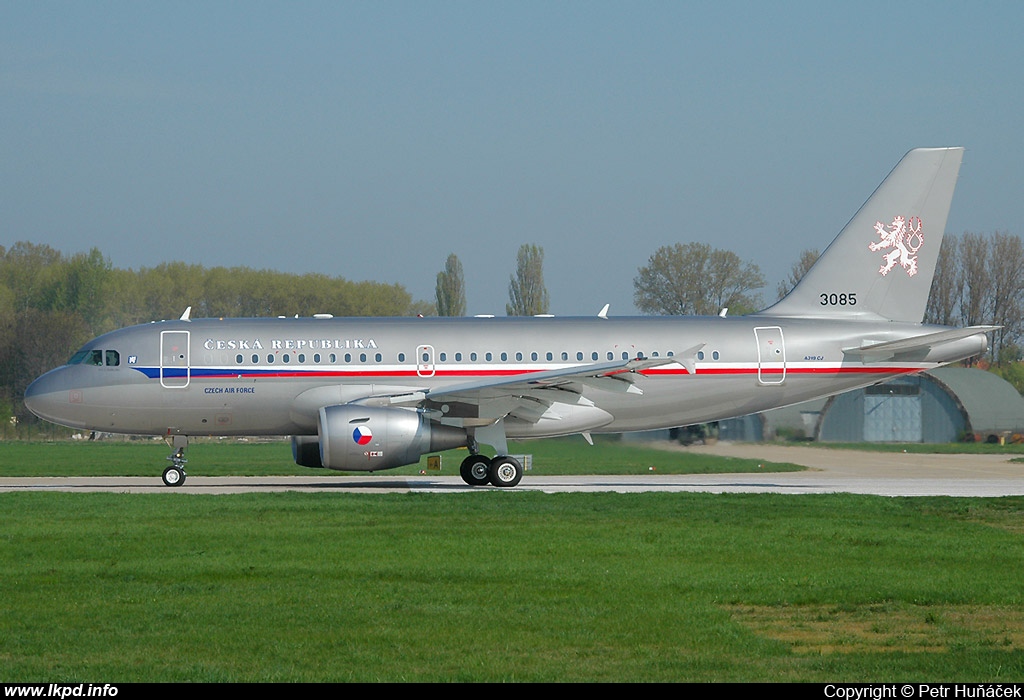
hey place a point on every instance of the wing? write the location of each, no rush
(556, 398)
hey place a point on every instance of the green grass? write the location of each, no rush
(975, 448)
(232, 458)
(497, 585)
(509, 586)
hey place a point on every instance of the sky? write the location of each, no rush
(369, 140)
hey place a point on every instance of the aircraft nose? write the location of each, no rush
(49, 396)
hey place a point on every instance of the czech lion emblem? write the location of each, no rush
(905, 238)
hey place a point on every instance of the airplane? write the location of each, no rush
(368, 394)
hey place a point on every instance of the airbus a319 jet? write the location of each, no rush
(366, 394)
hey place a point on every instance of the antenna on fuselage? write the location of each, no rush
(604, 312)
(187, 315)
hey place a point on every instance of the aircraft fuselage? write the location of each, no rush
(271, 376)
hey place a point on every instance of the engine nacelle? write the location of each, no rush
(367, 438)
(306, 451)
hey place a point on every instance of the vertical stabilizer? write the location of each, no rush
(882, 263)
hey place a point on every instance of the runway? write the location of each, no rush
(829, 471)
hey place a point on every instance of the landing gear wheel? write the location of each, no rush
(174, 476)
(476, 470)
(505, 471)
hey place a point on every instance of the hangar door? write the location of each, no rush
(892, 413)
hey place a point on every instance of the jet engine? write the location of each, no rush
(368, 438)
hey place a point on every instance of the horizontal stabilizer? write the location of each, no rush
(886, 350)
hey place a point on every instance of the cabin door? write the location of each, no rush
(175, 370)
(771, 355)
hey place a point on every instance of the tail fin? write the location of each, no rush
(881, 264)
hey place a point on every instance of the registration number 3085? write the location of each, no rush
(842, 299)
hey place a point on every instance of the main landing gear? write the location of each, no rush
(503, 471)
(175, 475)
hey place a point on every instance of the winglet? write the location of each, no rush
(688, 358)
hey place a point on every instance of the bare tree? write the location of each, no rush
(796, 273)
(696, 279)
(973, 251)
(1006, 291)
(947, 285)
(979, 280)
(451, 289)
(526, 291)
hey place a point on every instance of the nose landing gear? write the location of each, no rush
(174, 475)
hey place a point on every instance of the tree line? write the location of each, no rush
(979, 280)
(51, 303)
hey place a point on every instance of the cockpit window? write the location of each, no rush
(97, 358)
(78, 357)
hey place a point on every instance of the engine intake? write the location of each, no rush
(367, 438)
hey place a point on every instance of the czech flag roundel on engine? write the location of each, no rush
(362, 435)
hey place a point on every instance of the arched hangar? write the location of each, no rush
(948, 404)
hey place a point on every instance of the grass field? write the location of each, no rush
(499, 585)
(232, 458)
